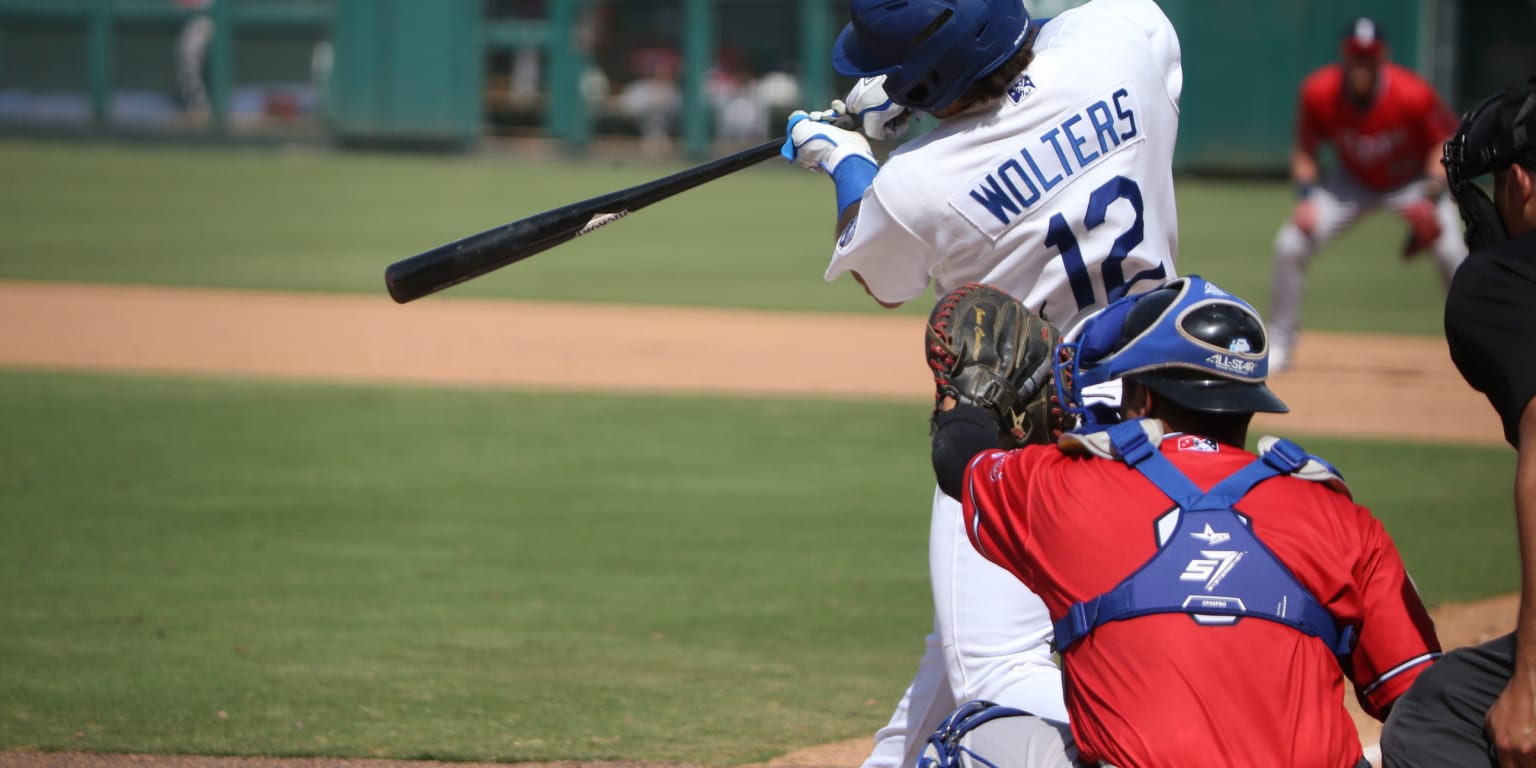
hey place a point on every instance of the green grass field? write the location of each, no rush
(452, 574)
(514, 575)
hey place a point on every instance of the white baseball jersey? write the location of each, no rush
(1061, 193)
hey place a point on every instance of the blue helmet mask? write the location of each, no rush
(930, 51)
(1189, 341)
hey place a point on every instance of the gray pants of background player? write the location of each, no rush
(1339, 202)
(1439, 721)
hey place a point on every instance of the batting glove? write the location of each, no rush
(820, 146)
(844, 155)
(873, 111)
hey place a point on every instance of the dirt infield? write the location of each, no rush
(1396, 387)
(1400, 388)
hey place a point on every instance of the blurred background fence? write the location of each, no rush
(668, 76)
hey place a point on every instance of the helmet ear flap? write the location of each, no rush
(1464, 159)
(1484, 227)
(1493, 135)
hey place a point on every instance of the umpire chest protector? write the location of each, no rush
(1210, 565)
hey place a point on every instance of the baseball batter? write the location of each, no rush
(1386, 126)
(1049, 175)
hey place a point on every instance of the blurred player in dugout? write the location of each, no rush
(192, 54)
(1386, 126)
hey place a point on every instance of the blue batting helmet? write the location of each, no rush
(1189, 341)
(929, 50)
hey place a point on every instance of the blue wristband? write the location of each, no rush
(851, 177)
(1304, 191)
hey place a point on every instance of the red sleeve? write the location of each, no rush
(1397, 638)
(996, 488)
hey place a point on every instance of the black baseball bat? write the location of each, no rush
(448, 265)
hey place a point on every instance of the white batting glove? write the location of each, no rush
(873, 111)
(822, 147)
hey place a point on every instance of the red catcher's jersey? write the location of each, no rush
(1385, 145)
(1162, 690)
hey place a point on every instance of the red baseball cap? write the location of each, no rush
(1364, 39)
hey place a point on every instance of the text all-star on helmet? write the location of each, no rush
(929, 50)
(1189, 341)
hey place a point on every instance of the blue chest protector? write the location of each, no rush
(1212, 566)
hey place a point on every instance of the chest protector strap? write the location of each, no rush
(1211, 566)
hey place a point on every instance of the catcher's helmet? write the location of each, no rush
(1189, 341)
(929, 50)
(1493, 135)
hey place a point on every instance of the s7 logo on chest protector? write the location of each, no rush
(1211, 567)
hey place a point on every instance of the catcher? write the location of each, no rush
(1209, 602)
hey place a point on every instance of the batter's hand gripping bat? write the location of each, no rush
(448, 265)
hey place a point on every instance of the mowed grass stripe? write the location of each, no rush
(470, 574)
(317, 221)
(453, 574)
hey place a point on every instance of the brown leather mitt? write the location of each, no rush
(987, 349)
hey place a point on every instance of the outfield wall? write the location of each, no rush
(558, 68)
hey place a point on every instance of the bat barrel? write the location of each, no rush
(448, 265)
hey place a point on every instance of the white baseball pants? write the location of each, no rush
(991, 640)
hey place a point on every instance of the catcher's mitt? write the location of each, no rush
(989, 350)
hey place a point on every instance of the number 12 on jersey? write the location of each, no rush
(1061, 237)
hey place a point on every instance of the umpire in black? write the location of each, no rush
(1477, 706)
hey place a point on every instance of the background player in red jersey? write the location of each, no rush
(1386, 126)
(1259, 585)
